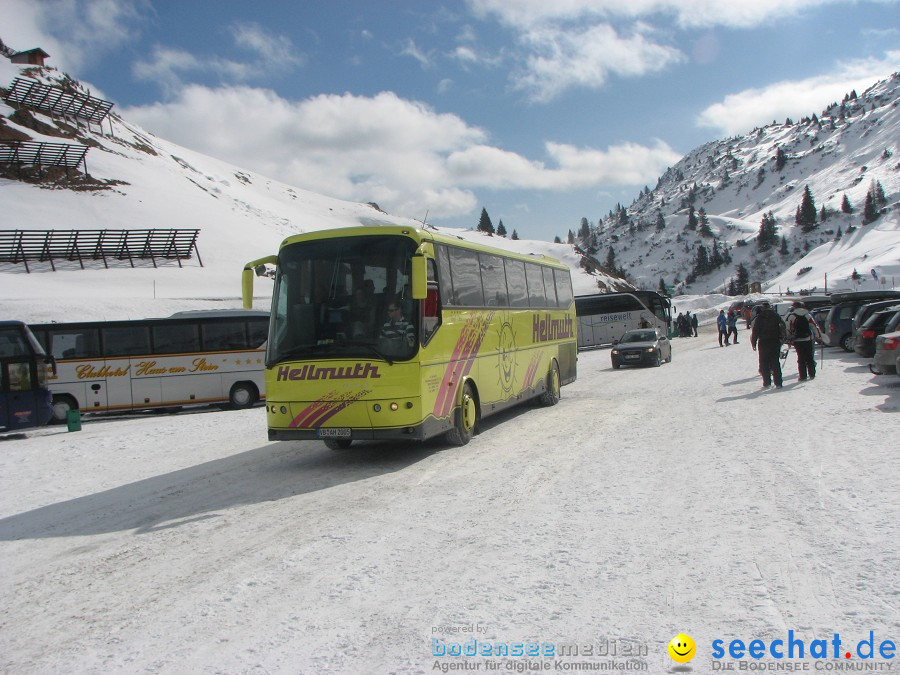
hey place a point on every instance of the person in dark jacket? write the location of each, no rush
(802, 332)
(769, 333)
(694, 324)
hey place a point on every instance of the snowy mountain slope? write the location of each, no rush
(844, 150)
(137, 180)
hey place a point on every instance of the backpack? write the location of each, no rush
(801, 327)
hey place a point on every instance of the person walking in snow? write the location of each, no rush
(768, 332)
(732, 325)
(694, 324)
(722, 323)
(802, 332)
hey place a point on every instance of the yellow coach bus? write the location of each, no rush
(391, 332)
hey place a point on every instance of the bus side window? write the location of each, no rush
(75, 343)
(431, 306)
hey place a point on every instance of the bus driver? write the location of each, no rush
(397, 334)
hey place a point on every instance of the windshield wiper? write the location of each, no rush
(372, 349)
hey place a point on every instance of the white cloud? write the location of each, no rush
(571, 167)
(411, 49)
(560, 59)
(687, 13)
(274, 51)
(399, 153)
(68, 29)
(581, 43)
(739, 113)
(170, 68)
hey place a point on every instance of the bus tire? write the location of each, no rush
(464, 418)
(242, 395)
(551, 395)
(62, 403)
(338, 443)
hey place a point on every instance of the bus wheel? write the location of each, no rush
(62, 403)
(242, 395)
(338, 443)
(464, 418)
(551, 396)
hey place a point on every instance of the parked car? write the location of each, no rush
(641, 347)
(819, 314)
(864, 312)
(883, 321)
(839, 324)
(737, 307)
(887, 353)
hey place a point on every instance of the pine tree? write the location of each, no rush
(584, 232)
(823, 214)
(660, 221)
(501, 230)
(839, 234)
(701, 262)
(557, 240)
(662, 286)
(870, 210)
(878, 191)
(515, 236)
(611, 259)
(768, 233)
(806, 215)
(703, 222)
(692, 218)
(784, 246)
(570, 239)
(742, 279)
(716, 259)
(845, 205)
(484, 223)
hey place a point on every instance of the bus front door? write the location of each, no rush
(20, 397)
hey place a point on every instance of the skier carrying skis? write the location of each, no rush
(802, 332)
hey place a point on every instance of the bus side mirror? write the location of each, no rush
(419, 277)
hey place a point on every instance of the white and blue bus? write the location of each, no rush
(188, 359)
(604, 317)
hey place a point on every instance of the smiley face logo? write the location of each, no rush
(682, 648)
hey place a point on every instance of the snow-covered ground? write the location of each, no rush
(647, 503)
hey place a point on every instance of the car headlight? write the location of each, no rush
(651, 349)
(615, 352)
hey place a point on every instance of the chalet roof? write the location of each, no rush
(36, 50)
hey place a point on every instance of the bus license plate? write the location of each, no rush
(336, 432)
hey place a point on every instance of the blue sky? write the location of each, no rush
(542, 112)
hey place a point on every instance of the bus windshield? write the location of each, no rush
(344, 297)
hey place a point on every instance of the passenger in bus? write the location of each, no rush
(362, 314)
(397, 334)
